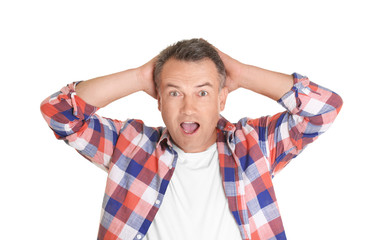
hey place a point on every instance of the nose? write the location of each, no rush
(189, 105)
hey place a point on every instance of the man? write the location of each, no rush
(212, 178)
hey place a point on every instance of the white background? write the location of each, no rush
(48, 191)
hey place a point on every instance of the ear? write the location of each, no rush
(159, 103)
(223, 94)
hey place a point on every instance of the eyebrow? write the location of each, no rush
(198, 86)
(204, 84)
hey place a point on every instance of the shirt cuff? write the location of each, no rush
(291, 100)
(80, 109)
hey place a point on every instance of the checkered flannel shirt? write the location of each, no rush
(140, 160)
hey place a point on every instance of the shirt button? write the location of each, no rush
(138, 236)
(157, 201)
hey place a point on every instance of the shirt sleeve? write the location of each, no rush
(74, 121)
(310, 110)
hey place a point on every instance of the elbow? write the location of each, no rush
(45, 109)
(335, 103)
(338, 102)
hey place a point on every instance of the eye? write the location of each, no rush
(202, 93)
(174, 94)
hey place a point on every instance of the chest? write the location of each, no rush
(139, 178)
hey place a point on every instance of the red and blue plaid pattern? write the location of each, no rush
(140, 160)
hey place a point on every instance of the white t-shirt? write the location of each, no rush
(194, 206)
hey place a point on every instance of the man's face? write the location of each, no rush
(190, 102)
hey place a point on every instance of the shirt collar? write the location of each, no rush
(165, 137)
(225, 125)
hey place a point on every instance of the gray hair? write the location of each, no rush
(192, 50)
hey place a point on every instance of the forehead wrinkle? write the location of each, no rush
(190, 72)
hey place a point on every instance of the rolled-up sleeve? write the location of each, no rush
(310, 111)
(74, 121)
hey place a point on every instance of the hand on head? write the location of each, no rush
(145, 76)
(233, 69)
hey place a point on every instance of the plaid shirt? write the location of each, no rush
(140, 160)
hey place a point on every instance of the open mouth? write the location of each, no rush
(189, 127)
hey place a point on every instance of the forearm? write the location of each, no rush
(103, 90)
(268, 83)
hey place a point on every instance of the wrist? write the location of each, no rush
(139, 78)
(244, 76)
